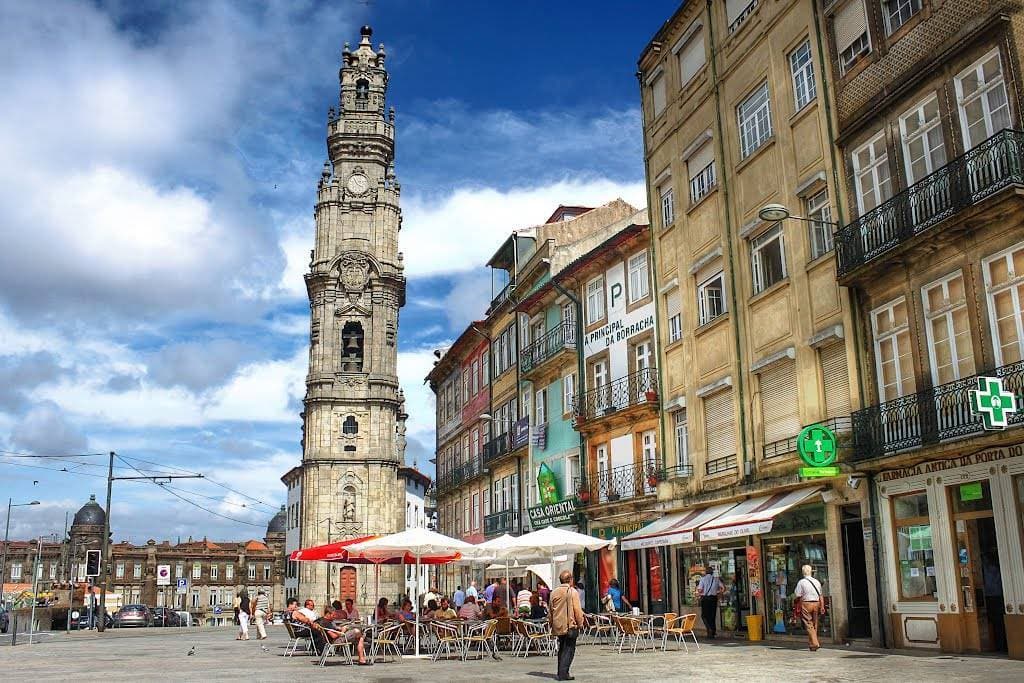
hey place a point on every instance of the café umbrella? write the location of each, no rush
(551, 542)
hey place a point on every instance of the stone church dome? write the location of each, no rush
(278, 523)
(91, 514)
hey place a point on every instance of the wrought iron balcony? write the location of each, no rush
(636, 389)
(504, 522)
(931, 416)
(560, 337)
(497, 447)
(502, 296)
(459, 475)
(777, 449)
(677, 472)
(994, 164)
(721, 465)
(621, 483)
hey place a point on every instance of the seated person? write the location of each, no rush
(323, 631)
(523, 598)
(469, 609)
(382, 613)
(336, 613)
(495, 610)
(445, 610)
(428, 613)
(350, 610)
(537, 610)
(290, 606)
(407, 617)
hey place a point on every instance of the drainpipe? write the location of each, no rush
(730, 257)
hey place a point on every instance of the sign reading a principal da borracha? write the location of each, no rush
(562, 512)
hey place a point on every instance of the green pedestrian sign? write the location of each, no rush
(993, 403)
(817, 447)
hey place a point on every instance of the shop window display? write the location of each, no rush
(915, 555)
(784, 558)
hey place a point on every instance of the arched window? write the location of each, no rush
(352, 347)
(362, 93)
(350, 426)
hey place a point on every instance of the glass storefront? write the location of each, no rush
(730, 566)
(797, 538)
(915, 553)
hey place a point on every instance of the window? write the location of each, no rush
(639, 278)
(352, 347)
(768, 258)
(1004, 286)
(701, 169)
(682, 440)
(53, 571)
(541, 397)
(252, 571)
(475, 383)
(668, 205)
(738, 10)
(569, 313)
(179, 570)
(981, 94)
(642, 355)
(600, 374)
(595, 300)
(39, 570)
(711, 298)
(195, 599)
(119, 570)
(474, 443)
(780, 414)
(948, 329)
(16, 571)
(197, 570)
(820, 226)
(266, 572)
(755, 121)
(835, 377)
(350, 426)
(898, 12)
(465, 385)
(893, 362)
(213, 597)
(691, 55)
(137, 571)
(802, 67)
(923, 149)
(568, 392)
(485, 369)
(915, 557)
(214, 571)
(850, 27)
(719, 430)
(657, 85)
(674, 313)
(229, 571)
(476, 510)
(871, 174)
(466, 520)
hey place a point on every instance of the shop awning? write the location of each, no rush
(753, 516)
(677, 527)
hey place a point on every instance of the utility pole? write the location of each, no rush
(101, 624)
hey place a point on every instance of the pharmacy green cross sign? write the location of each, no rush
(993, 403)
(817, 447)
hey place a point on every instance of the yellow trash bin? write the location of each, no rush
(755, 623)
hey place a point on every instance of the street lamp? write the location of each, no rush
(7, 532)
(773, 213)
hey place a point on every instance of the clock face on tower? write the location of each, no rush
(358, 183)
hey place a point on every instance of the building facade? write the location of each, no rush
(353, 419)
(418, 515)
(928, 111)
(292, 480)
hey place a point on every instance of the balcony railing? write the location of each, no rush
(459, 475)
(502, 296)
(742, 15)
(562, 336)
(498, 523)
(621, 483)
(777, 449)
(497, 447)
(941, 413)
(677, 472)
(965, 181)
(721, 465)
(638, 388)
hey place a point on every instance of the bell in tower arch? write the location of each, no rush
(352, 347)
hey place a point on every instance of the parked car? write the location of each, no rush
(82, 620)
(133, 615)
(5, 620)
(163, 616)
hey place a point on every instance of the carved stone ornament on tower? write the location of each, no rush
(354, 269)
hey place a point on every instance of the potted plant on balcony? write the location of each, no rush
(652, 479)
(584, 495)
(651, 396)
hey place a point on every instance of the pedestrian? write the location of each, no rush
(244, 610)
(812, 605)
(566, 618)
(614, 596)
(262, 610)
(491, 588)
(582, 591)
(709, 588)
(459, 597)
(471, 591)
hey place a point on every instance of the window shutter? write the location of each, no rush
(700, 159)
(849, 23)
(779, 404)
(691, 57)
(658, 93)
(734, 8)
(673, 304)
(836, 379)
(719, 429)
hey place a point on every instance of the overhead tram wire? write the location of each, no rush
(205, 478)
(19, 454)
(213, 498)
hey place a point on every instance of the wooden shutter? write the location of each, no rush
(673, 304)
(836, 378)
(691, 57)
(850, 22)
(780, 413)
(700, 159)
(719, 425)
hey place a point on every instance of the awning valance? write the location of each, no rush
(677, 527)
(753, 516)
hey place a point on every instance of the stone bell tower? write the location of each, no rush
(353, 402)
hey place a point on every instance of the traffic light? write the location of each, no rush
(92, 563)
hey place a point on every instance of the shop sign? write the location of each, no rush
(562, 512)
(754, 571)
(520, 432)
(993, 403)
(972, 491)
(802, 520)
(618, 530)
(817, 447)
(986, 456)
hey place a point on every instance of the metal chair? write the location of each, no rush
(448, 636)
(599, 627)
(340, 644)
(297, 633)
(482, 635)
(682, 627)
(633, 630)
(529, 635)
(386, 640)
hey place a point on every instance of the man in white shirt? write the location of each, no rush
(808, 592)
(709, 588)
(471, 591)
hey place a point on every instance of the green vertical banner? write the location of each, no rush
(547, 485)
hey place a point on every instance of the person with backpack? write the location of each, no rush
(810, 605)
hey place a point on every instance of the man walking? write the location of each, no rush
(566, 618)
(471, 592)
(459, 597)
(808, 592)
(262, 610)
(709, 588)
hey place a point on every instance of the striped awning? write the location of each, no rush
(673, 528)
(753, 516)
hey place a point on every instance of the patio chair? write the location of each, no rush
(448, 636)
(481, 635)
(599, 627)
(333, 647)
(385, 641)
(530, 635)
(682, 627)
(659, 622)
(297, 633)
(633, 630)
(503, 632)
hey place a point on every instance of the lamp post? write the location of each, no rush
(7, 532)
(773, 213)
(37, 567)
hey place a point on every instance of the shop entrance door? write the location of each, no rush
(855, 565)
(977, 562)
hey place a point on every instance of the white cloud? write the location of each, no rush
(461, 231)
(413, 366)
(262, 392)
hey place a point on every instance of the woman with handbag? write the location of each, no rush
(810, 605)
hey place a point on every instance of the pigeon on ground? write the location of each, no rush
(192, 651)
(264, 648)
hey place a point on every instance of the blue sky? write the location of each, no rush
(155, 203)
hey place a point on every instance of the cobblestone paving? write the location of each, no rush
(155, 654)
